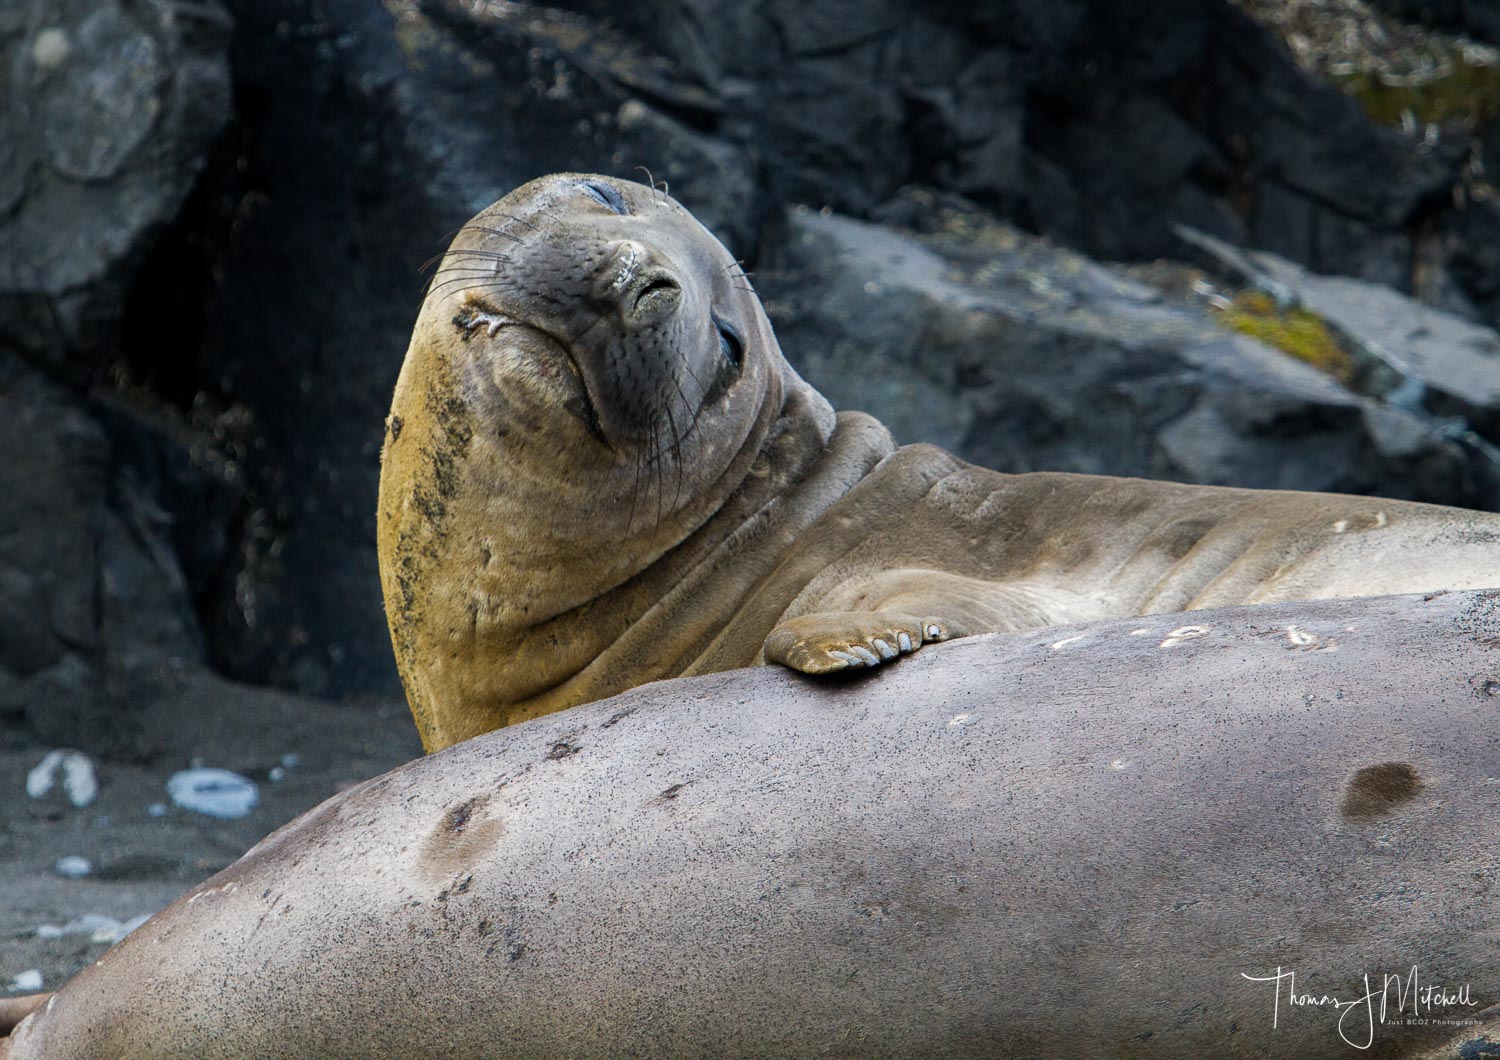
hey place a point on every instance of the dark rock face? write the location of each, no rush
(256, 282)
(1022, 356)
(93, 603)
(1479, 19)
(109, 110)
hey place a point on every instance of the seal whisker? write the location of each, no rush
(491, 282)
(649, 178)
(468, 270)
(524, 221)
(676, 445)
(483, 255)
(434, 287)
(493, 231)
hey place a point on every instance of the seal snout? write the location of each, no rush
(646, 287)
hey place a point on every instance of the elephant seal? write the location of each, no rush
(599, 470)
(1268, 833)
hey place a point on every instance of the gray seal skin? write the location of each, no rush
(600, 471)
(1070, 842)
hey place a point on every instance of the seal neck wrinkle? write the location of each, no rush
(660, 623)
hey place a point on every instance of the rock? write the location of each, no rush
(1478, 19)
(1022, 356)
(73, 867)
(1414, 356)
(215, 792)
(92, 600)
(79, 782)
(754, 863)
(31, 979)
(114, 106)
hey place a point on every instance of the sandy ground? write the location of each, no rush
(141, 861)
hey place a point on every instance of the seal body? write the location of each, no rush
(1103, 840)
(600, 471)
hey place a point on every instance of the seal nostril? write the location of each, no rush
(658, 285)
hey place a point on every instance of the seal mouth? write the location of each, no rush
(479, 315)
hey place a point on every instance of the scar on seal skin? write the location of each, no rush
(462, 837)
(600, 471)
(1377, 790)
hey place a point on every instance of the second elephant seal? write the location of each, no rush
(599, 470)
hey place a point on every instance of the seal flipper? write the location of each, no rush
(14, 1009)
(831, 641)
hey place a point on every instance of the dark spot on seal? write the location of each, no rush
(673, 791)
(395, 426)
(1379, 789)
(562, 749)
(457, 819)
(462, 836)
(516, 952)
(459, 887)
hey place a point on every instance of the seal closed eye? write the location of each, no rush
(730, 518)
(730, 343)
(605, 194)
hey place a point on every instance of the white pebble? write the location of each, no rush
(28, 982)
(73, 867)
(99, 928)
(79, 782)
(215, 792)
(51, 48)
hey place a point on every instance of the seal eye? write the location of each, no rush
(729, 343)
(604, 194)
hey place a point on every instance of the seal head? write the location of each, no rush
(589, 380)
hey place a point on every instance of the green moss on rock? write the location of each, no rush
(1295, 331)
(1466, 93)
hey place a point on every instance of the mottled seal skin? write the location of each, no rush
(599, 471)
(1070, 842)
